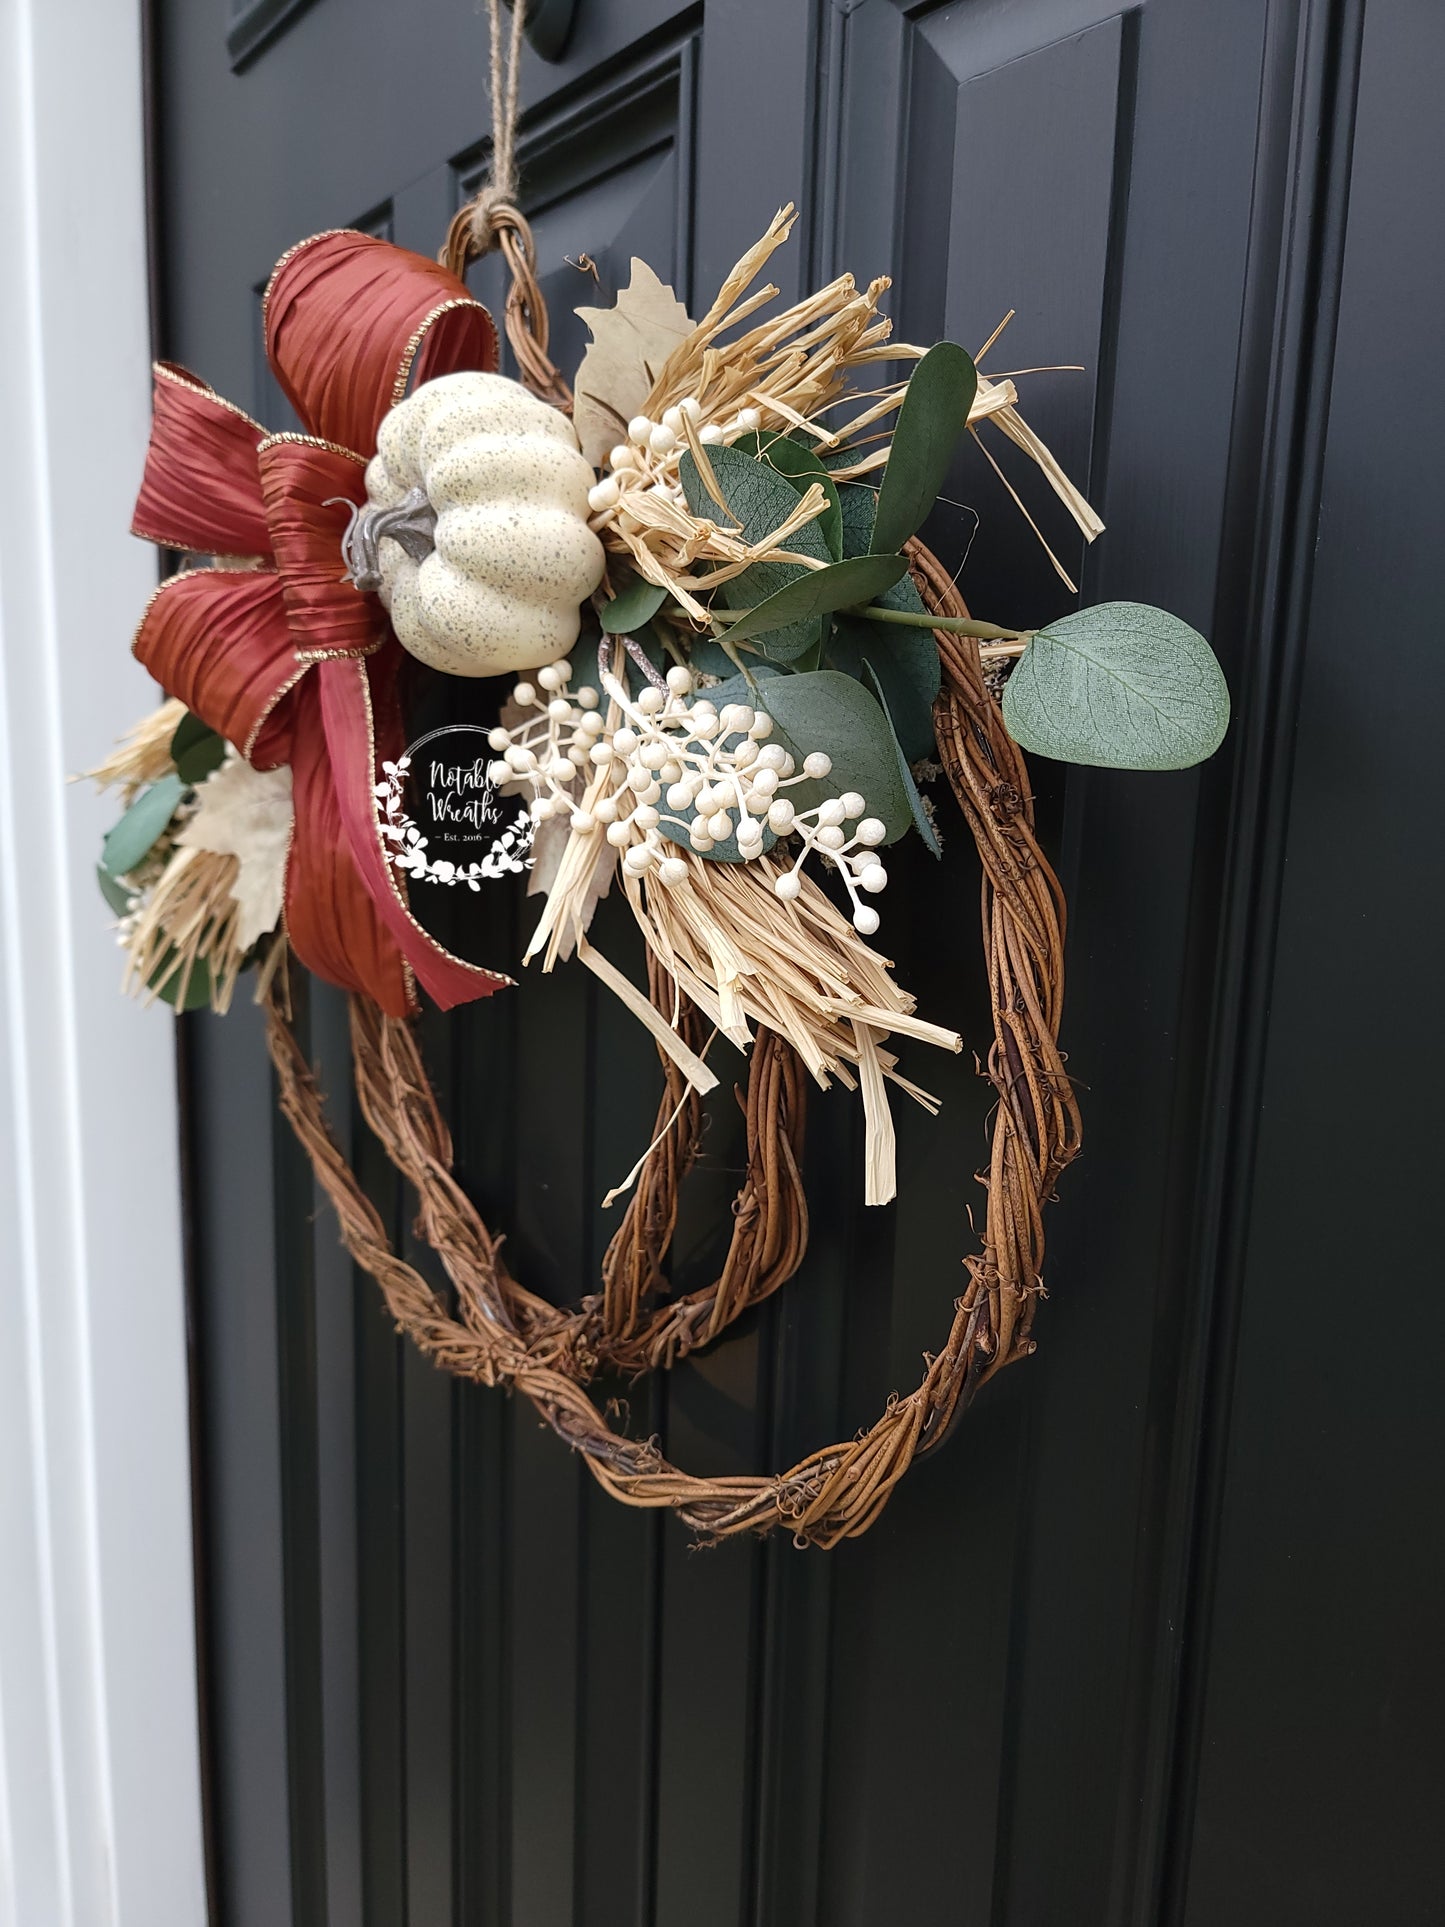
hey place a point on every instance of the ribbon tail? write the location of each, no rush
(351, 721)
(331, 919)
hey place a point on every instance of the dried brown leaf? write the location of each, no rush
(630, 343)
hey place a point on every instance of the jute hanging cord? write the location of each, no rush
(492, 220)
(502, 1334)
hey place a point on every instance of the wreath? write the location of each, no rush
(732, 659)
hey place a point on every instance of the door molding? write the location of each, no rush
(100, 1810)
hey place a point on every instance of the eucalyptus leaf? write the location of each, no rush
(759, 500)
(921, 819)
(1118, 686)
(859, 505)
(812, 659)
(132, 838)
(118, 895)
(906, 664)
(166, 983)
(196, 749)
(933, 415)
(834, 713)
(801, 466)
(633, 608)
(817, 592)
(707, 659)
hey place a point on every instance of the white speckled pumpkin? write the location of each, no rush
(497, 584)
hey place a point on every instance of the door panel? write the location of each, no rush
(447, 1679)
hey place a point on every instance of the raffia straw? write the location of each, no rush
(791, 367)
(143, 754)
(687, 1061)
(746, 958)
(189, 915)
(880, 1179)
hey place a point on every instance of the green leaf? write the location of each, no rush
(921, 821)
(933, 416)
(1119, 686)
(118, 895)
(831, 712)
(196, 749)
(760, 500)
(135, 834)
(906, 659)
(906, 664)
(817, 592)
(166, 983)
(802, 467)
(859, 505)
(632, 608)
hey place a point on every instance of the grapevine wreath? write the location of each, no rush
(730, 654)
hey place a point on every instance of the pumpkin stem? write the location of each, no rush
(411, 525)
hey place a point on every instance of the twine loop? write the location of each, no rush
(492, 222)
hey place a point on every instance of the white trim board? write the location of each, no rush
(100, 1818)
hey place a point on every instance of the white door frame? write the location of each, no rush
(100, 1806)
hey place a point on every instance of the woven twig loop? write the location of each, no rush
(501, 1333)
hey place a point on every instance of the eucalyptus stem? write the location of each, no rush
(910, 618)
(953, 625)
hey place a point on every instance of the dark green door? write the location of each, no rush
(1149, 1640)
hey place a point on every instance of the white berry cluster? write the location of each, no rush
(676, 760)
(648, 458)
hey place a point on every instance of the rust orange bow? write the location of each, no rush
(282, 657)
